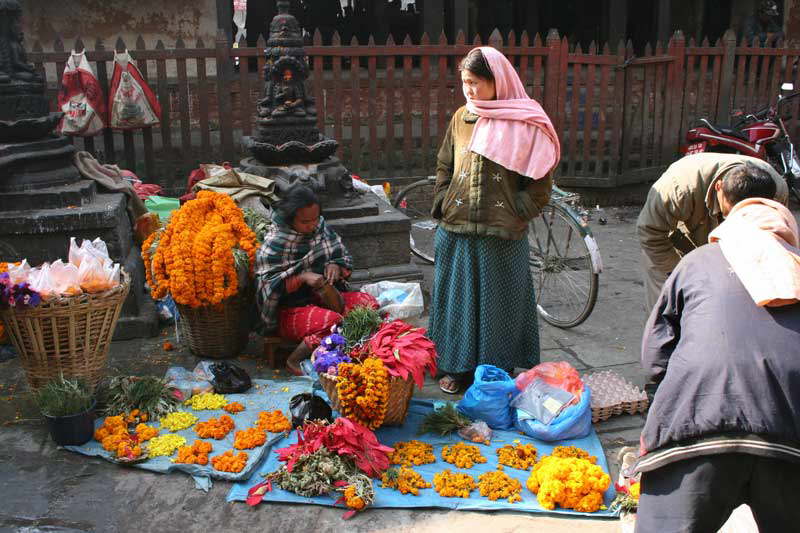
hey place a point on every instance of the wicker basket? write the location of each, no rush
(400, 392)
(67, 336)
(219, 331)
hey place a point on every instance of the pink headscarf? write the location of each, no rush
(513, 130)
(759, 239)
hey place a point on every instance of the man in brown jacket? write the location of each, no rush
(689, 200)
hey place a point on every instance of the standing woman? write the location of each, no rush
(492, 178)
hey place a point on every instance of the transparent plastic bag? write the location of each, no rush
(19, 273)
(543, 401)
(398, 300)
(558, 374)
(96, 249)
(55, 279)
(477, 432)
(95, 275)
(203, 371)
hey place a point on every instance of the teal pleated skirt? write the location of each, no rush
(483, 308)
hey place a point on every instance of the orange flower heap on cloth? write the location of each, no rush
(495, 485)
(249, 438)
(234, 407)
(453, 485)
(405, 480)
(214, 428)
(569, 482)
(196, 454)
(194, 259)
(462, 455)
(273, 421)
(227, 462)
(522, 456)
(573, 451)
(412, 452)
(363, 391)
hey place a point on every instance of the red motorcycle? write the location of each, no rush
(762, 134)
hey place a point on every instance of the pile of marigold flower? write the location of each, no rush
(273, 421)
(249, 438)
(405, 480)
(573, 451)
(521, 456)
(462, 455)
(495, 485)
(453, 485)
(196, 454)
(228, 462)
(178, 420)
(363, 391)
(233, 408)
(165, 445)
(569, 482)
(215, 428)
(412, 452)
(206, 401)
(194, 260)
(115, 437)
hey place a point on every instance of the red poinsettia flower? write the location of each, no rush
(404, 350)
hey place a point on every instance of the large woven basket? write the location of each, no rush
(400, 392)
(219, 331)
(67, 336)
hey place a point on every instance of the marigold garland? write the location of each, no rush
(249, 438)
(495, 485)
(363, 391)
(194, 260)
(569, 482)
(521, 456)
(214, 428)
(412, 452)
(273, 421)
(196, 454)
(405, 480)
(453, 485)
(462, 455)
(227, 462)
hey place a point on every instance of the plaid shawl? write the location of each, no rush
(286, 253)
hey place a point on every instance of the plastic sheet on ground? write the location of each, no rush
(265, 395)
(428, 497)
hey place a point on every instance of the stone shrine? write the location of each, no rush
(289, 148)
(43, 198)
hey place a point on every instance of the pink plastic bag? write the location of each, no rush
(558, 374)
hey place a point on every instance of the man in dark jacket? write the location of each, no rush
(724, 425)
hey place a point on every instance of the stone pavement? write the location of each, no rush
(43, 488)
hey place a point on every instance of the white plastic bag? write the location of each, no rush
(96, 271)
(19, 273)
(56, 279)
(398, 300)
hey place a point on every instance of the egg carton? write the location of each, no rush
(614, 395)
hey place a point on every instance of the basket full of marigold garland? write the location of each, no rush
(372, 384)
(204, 259)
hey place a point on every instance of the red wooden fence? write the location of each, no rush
(621, 118)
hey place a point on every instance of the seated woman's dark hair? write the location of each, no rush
(297, 197)
(477, 64)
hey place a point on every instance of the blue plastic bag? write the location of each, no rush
(489, 397)
(574, 422)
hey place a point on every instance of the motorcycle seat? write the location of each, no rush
(724, 130)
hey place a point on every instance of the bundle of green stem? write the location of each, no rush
(444, 421)
(149, 394)
(64, 397)
(359, 325)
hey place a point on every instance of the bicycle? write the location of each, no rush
(564, 258)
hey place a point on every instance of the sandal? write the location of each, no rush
(448, 385)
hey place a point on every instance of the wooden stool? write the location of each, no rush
(271, 345)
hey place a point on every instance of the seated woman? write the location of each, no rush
(299, 257)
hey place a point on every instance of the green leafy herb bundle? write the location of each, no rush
(64, 397)
(149, 394)
(360, 324)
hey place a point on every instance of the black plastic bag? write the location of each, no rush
(307, 406)
(229, 378)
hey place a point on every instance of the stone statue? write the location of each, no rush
(13, 60)
(285, 93)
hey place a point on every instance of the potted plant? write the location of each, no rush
(68, 406)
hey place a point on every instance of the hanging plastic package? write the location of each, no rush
(309, 406)
(574, 422)
(80, 99)
(489, 397)
(132, 103)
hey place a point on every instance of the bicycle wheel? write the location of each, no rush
(563, 275)
(415, 201)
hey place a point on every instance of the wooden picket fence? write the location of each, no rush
(621, 117)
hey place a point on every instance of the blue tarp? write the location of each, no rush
(265, 395)
(428, 497)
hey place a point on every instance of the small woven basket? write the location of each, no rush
(218, 331)
(400, 393)
(67, 336)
